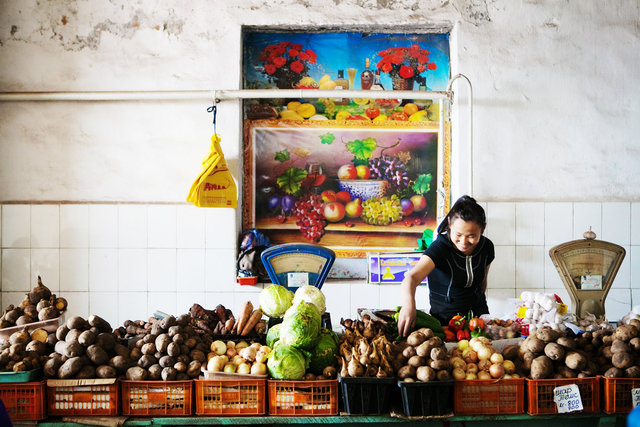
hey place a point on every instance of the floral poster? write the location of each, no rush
(351, 186)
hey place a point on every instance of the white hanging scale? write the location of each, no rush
(587, 268)
(296, 264)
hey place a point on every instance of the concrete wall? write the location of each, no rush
(556, 101)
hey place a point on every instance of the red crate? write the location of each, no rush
(478, 397)
(617, 394)
(540, 394)
(157, 397)
(230, 397)
(24, 401)
(82, 397)
(318, 397)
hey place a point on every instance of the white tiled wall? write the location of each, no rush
(125, 261)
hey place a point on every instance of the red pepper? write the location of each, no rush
(476, 323)
(462, 334)
(449, 335)
(456, 323)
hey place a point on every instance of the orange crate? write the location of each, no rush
(319, 397)
(477, 397)
(82, 397)
(157, 397)
(540, 394)
(617, 394)
(24, 401)
(230, 397)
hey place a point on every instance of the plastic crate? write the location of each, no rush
(478, 397)
(421, 399)
(540, 394)
(230, 397)
(617, 394)
(157, 397)
(21, 377)
(366, 396)
(318, 397)
(82, 397)
(24, 401)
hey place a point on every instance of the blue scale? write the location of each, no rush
(296, 264)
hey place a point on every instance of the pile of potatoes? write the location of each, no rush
(477, 359)
(169, 350)
(24, 351)
(424, 358)
(621, 350)
(38, 305)
(241, 358)
(85, 349)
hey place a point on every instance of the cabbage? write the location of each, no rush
(325, 353)
(301, 326)
(286, 363)
(310, 294)
(275, 300)
(273, 334)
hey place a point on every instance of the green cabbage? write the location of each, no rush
(301, 326)
(275, 300)
(273, 334)
(325, 353)
(286, 363)
(310, 294)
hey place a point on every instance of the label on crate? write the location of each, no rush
(567, 398)
(635, 396)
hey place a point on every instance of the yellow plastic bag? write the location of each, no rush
(214, 187)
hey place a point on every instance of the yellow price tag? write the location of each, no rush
(562, 309)
(521, 312)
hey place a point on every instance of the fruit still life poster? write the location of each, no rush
(347, 186)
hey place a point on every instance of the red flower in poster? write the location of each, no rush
(286, 63)
(405, 62)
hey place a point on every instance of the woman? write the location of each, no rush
(456, 263)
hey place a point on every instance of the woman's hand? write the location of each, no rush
(406, 319)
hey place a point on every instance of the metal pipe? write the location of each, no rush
(218, 95)
(470, 125)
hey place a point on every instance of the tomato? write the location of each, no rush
(357, 117)
(400, 116)
(372, 112)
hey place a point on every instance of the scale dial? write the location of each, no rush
(296, 264)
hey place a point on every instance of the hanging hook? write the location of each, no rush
(213, 109)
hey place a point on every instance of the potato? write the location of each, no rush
(136, 373)
(198, 355)
(120, 350)
(97, 355)
(547, 334)
(575, 360)
(425, 374)
(566, 342)
(619, 346)
(406, 371)
(87, 371)
(24, 320)
(167, 322)
(86, 338)
(632, 372)
(148, 349)
(162, 342)
(181, 367)
(622, 360)
(174, 330)
(36, 346)
(427, 332)
(565, 372)
(72, 335)
(168, 374)
(70, 368)
(194, 368)
(146, 361)
(554, 351)
(534, 345)
(614, 373)
(625, 332)
(443, 375)
(106, 371)
(155, 372)
(173, 349)
(541, 367)
(74, 349)
(510, 352)
(99, 323)
(77, 322)
(120, 363)
(106, 340)
(48, 313)
(410, 351)
(416, 361)
(51, 367)
(439, 353)
(167, 361)
(416, 338)
(439, 365)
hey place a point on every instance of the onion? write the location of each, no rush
(244, 368)
(509, 366)
(258, 369)
(496, 370)
(472, 368)
(229, 368)
(484, 375)
(496, 358)
(484, 365)
(463, 344)
(470, 356)
(458, 362)
(484, 353)
(458, 374)
(471, 376)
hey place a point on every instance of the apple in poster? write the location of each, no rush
(347, 172)
(334, 211)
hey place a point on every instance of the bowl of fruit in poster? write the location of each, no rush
(363, 189)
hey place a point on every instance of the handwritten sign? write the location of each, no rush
(635, 396)
(567, 398)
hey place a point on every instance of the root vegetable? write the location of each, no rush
(541, 367)
(439, 365)
(416, 361)
(77, 322)
(406, 371)
(576, 361)
(425, 374)
(168, 374)
(496, 370)
(439, 353)
(251, 323)
(39, 292)
(48, 313)
(554, 351)
(136, 373)
(416, 338)
(622, 360)
(70, 368)
(245, 313)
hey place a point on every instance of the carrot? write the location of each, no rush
(251, 323)
(244, 316)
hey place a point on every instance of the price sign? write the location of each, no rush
(635, 396)
(567, 398)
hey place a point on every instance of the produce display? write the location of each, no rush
(366, 350)
(424, 358)
(24, 351)
(38, 305)
(538, 309)
(242, 358)
(478, 359)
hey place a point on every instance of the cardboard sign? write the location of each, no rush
(567, 398)
(635, 396)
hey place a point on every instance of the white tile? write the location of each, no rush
(190, 227)
(162, 226)
(161, 270)
(635, 223)
(623, 277)
(587, 215)
(635, 299)
(16, 226)
(530, 224)
(530, 267)
(105, 305)
(45, 226)
(132, 270)
(634, 261)
(501, 223)
(190, 270)
(220, 272)
(78, 304)
(558, 223)
(16, 264)
(132, 306)
(132, 226)
(552, 279)
(220, 229)
(14, 298)
(1, 229)
(501, 302)
(390, 298)
(161, 301)
(184, 301)
(46, 264)
(103, 270)
(103, 226)
(338, 300)
(74, 226)
(228, 299)
(617, 304)
(364, 295)
(74, 270)
(616, 223)
(502, 273)
(422, 298)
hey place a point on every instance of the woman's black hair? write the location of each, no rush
(467, 209)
